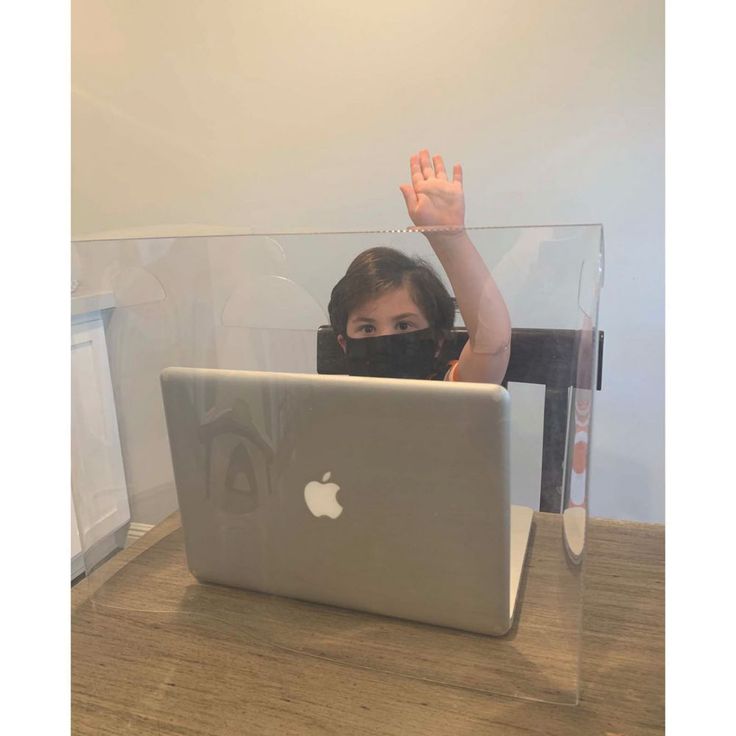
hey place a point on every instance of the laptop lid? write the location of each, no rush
(383, 495)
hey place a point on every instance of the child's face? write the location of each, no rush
(391, 313)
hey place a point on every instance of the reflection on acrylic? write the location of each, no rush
(233, 479)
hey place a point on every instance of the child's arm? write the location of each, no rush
(433, 200)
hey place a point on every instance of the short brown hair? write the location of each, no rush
(378, 270)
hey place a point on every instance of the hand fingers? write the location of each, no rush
(426, 164)
(416, 170)
(423, 168)
(410, 196)
(439, 167)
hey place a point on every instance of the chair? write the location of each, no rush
(540, 356)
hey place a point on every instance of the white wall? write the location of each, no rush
(276, 115)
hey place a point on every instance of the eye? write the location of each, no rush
(403, 326)
(366, 329)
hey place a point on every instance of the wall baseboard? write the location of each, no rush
(109, 544)
(77, 565)
(99, 552)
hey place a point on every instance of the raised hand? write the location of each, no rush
(431, 198)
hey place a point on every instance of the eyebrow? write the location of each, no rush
(398, 316)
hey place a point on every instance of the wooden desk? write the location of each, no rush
(155, 659)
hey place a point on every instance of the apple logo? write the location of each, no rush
(321, 497)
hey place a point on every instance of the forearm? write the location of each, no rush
(481, 304)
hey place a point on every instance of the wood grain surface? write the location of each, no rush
(155, 652)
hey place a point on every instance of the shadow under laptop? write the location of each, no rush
(536, 660)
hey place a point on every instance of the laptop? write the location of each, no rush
(389, 496)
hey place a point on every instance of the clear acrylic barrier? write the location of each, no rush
(255, 303)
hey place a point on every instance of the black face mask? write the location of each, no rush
(403, 355)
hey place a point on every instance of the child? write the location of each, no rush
(392, 314)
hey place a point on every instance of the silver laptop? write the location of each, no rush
(384, 495)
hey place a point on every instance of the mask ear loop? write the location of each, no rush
(444, 340)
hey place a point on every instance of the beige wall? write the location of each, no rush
(277, 115)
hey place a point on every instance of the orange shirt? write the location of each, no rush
(451, 373)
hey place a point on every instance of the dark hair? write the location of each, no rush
(378, 270)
